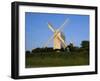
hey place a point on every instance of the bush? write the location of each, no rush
(27, 52)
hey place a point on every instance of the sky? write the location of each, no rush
(37, 32)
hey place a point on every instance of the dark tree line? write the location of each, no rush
(84, 46)
(70, 47)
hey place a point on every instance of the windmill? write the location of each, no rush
(58, 37)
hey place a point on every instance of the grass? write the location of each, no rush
(53, 59)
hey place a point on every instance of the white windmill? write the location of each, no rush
(58, 37)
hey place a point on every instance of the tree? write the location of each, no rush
(84, 44)
(36, 50)
(27, 52)
(71, 47)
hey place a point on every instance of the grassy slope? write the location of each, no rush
(57, 59)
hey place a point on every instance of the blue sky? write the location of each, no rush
(37, 31)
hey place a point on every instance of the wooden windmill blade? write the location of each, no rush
(62, 26)
(64, 44)
(51, 27)
(45, 45)
(53, 30)
(59, 29)
(56, 35)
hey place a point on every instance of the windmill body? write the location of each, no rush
(57, 42)
(58, 37)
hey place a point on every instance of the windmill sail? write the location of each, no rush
(58, 36)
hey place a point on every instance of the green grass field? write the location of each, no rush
(53, 59)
